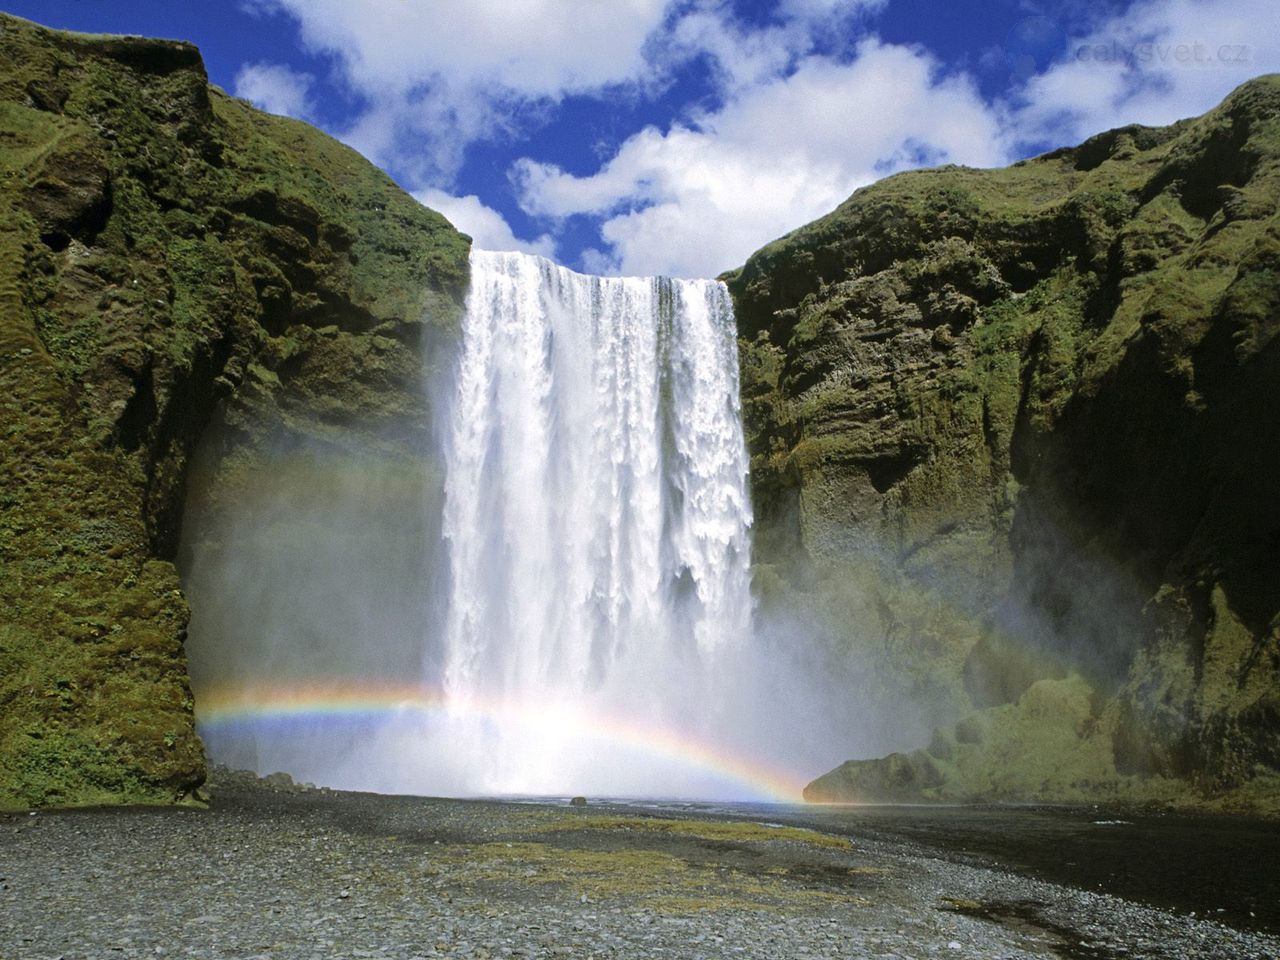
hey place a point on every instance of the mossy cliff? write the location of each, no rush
(170, 260)
(1015, 456)
(1013, 432)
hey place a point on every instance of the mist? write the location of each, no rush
(310, 580)
(316, 647)
(554, 599)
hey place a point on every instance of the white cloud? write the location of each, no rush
(487, 228)
(794, 133)
(276, 89)
(697, 199)
(797, 136)
(741, 56)
(1159, 61)
(438, 76)
(531, 47)
(826, 11)
(422, 136)
(744, 55)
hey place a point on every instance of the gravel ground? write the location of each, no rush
(273, 871)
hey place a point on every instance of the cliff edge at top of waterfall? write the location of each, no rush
(1013, 458)
(170, 259)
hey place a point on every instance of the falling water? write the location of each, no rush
(593, 630)
(596, 514)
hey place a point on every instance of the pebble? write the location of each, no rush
(318, 874)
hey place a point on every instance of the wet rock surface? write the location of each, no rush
(289, 872)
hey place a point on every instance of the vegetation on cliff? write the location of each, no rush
(169, 258)
(1014, 450)
(1012, 431)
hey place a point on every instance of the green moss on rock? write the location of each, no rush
(170, 259)
(1020, 422)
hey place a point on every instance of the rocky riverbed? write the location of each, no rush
(275, 871)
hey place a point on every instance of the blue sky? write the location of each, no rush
(677, 136)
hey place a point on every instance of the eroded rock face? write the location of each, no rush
(171, 261)
(1017, 427)
(1013, 435)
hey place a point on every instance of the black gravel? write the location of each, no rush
(1223, 866)
(279, 872)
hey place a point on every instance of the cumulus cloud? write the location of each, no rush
(696, 199)
(1159, 61)
(276, 89)
(423, 135)
(438, 76)
(823, 11)
(533, 47)
(487, 227)
(799, 132)
(798, 117)
(744, 55)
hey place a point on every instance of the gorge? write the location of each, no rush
(1011, 464)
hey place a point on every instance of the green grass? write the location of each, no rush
(716, 830)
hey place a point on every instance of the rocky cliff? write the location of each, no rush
(173, 264)
(1013, 431)
(1014, 449)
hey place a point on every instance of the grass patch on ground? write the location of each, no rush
(644, 878)
(724, 831)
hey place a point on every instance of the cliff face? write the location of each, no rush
(1013, 432)
(1015, 455)
(171, 261)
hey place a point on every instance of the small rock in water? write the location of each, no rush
(578, 802)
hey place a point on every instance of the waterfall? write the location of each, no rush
(596, 514)
(571, 611)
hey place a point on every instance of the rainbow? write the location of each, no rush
(226, 709)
